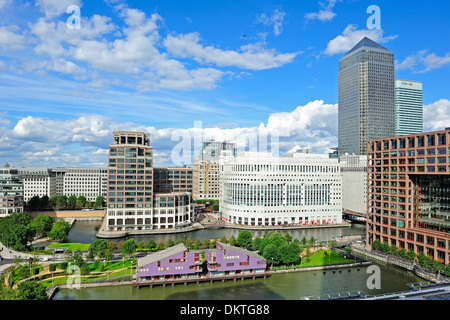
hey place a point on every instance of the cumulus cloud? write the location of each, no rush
(423, 62)
(351, 36)
(436, 116)
(139, 51)
(53, 141)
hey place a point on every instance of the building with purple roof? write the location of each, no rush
(227, 260)
(173, 263)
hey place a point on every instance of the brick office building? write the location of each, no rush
(408, 196)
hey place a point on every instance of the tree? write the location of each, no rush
(129, 247)
(288, 237)
(244, 239)
(256, 243)
(151, 244)
(52, 201)
(42, 224)
(60, 230)
(32, 290)
(82, 199)
(99, 247)
(232, 240)
(43, 202)
(71, 202)
(271, 254)
(16, 230)
(290, 253)
(99, 202)
(61, 202)
(33, 203)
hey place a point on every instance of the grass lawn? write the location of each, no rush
(319, 258)
(71, 246)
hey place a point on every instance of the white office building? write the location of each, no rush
(37, 182)
(88, 182)
(408, 107)
(354, 183)
(299, 189)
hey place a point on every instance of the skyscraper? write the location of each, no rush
(366, 96)
(408, 107)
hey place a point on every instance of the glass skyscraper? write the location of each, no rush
(408, 107)
(366, 96)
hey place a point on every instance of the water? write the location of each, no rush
(85, 232)
(284, 286)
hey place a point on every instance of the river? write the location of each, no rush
(283, 286)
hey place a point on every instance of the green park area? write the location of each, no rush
(324, 258)
(70, 246)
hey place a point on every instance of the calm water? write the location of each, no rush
(85, 232)
(285, 286)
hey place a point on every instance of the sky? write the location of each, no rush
(73, 71)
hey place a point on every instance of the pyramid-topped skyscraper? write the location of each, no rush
(366, 96)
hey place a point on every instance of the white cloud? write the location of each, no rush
(275, 21)
(86, 137)
(10, 39)
(252, 56)
(324, 14)
(55, 8)
(423, 62)
(436, 116)
(351, 36)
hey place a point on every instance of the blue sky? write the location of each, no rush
(237, 67)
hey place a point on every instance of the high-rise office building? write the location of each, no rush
(408, 203)
(408, 107)
(137, 199)
(366, 96)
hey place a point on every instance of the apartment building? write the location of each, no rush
(11, 191)
(408, 202)
(141, 197)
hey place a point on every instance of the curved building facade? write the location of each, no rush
(259, 189)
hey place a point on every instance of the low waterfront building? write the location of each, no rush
(227, 260)
(262, 190)
(88, 182)
(174, 262)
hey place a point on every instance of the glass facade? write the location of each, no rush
(433, 208)
(366, 97)
(408, 107)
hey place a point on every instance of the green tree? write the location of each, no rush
(99, 202)
(60, 230)
(129, 247)
(71, 202)
(43, 202)
(98, 248)
(256, 243)
(232, 240)
(52, 201)
(271, 254)
(244, 239)
(61, 202)
(290, 253)
(288, 237)
(32, 290)
(16, 230)
(42, 224)
(151, 244)
(82, 199)
(33, 203)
